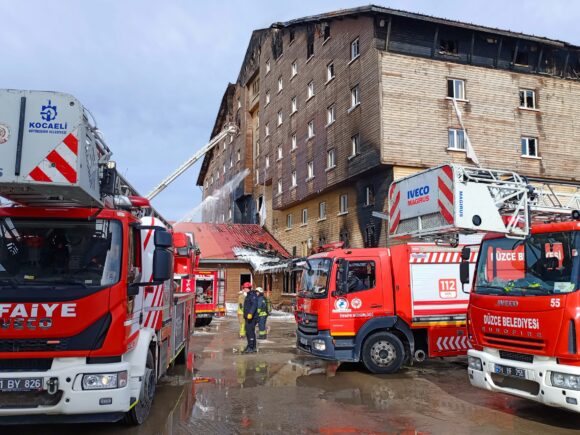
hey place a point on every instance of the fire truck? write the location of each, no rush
(89, 315)
(523, 315)
(382, 306)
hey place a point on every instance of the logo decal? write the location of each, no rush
(48, 112)
(507, 303)
(341, 304)
(4, 133)
(356, 303)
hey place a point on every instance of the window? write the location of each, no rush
(280, 118)
(268, 66)
(529, 146)
(267, 97)
(304, 216)
(294, 105)
(289, 220)
(279, 187)
(527, 99)
(311, 89)
(257, 176)
(354, 49)
(294, 68)
(448, 46)
(256, 87)
(343, 205)
(310, 167)
(456, 89)
(292, 35)
(310, 129)
(354, 97)
(293, 178)
(211, 179)
(326, 31)
(309, 48)
(224, 168)
(330, 71)
(522, 58)
(355, 145)
(267, 130)
(370, 195)
(294, 141)
(257, 147)
(456, 139)
(231, 162)
(239, 103)
(239, 156)
(330, 115)
(230, 213)
(322, 210)
(361, 275)
(330, 159)
(224, 145)
(267, 162)
(280, 84)
(280, 154)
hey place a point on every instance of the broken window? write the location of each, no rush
(369, 195)
(326, 31)
(277, 47)
(448, 46)
(309, 42)
(344, 238)
(292, 35)
(529, 146)
(522, 57)
(456, 140)
(527, 99)
(456, 89)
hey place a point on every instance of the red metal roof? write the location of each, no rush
(216, 241)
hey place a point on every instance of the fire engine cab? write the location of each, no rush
(89, 315)
(523, 308)
(382, 306)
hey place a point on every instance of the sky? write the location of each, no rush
(153, 72)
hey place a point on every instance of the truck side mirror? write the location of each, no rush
(465, 253)
(464, 272)
(162, 238)
(162, 265)
(342, 277)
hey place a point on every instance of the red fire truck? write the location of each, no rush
(382, 306)
(523, 314)
(89, 316)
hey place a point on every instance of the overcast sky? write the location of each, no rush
(153, 72)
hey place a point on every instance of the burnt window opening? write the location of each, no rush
(292, 35)
(370, 238)
(322, 240)
(277, 46)
(344, 238)
(369, 195)
(326, 31)
(521, 57)
(293, 251)
(309, 42)
(448, 46)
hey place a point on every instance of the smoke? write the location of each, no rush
(214, 205)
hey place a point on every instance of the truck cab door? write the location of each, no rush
(363, 297)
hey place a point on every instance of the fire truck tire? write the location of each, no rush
(199, 323)
(139, 413)
(383, 353)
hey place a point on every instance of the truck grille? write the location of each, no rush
(32, 399)
(33, 345)
(307, 323)
(25, 364)
(514, 356)
(524, 343)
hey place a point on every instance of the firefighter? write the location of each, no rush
(264, 309)
(250, 315)
(241, 298)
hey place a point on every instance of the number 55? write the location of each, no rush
(554, 302)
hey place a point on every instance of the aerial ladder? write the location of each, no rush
(440, 203)
(229, 129)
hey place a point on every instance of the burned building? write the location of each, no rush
(331, 108)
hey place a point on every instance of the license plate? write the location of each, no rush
(15, 385)
(510, 371)
(303, 341)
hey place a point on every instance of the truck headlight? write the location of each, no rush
(104, 381)
(563, 380)
(474, 363)
(318, 344)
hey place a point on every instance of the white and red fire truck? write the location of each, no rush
(89, 316)
(382, 306)
(524, 309)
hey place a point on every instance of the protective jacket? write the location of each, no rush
(251, 304)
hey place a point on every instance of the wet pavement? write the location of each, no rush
(279, 390)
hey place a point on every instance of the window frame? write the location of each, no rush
(294, 105)
(354, 145)
(289, 222)
(279, 152)
(293, 141)
(463, 89)
(279, 187)
(354, 96)
(280, 84)
(329, 69)
(374, 271)
(267, 97)
(311, 132)
(310, 170)
(310, 89)
(294, 69)
(456, 137)
(293, 179)
(355, 43)
(279, 118)
(343, 210)
(321, 210)
(523, 97)
(329, 159)
(527, 140)
(304, 216)
(330, 114)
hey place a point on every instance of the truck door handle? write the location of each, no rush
(376, 306)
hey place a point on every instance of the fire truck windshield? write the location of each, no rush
(36, 252)
(314, 281)
(543, 264)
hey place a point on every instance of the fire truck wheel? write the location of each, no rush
(383, 353)
(139, 413)
(199, 323)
